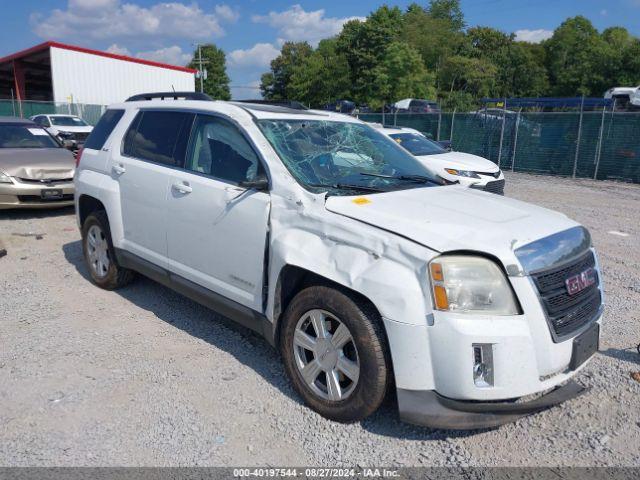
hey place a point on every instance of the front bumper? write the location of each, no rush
(487, 183)
(430, 409)
(21, 194)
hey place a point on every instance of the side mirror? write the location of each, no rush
(259, 183)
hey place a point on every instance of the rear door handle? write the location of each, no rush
(182, 187)
(118, 169)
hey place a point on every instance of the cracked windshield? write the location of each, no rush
(342, 158)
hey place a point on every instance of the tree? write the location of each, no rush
(401, 74)
(216, 85)
(434, 38)
(448, 10)
(475, 76)
(363, 44)
(573, 58)
(274, 84)
(519, 72)
(620, 60)
(322, 77)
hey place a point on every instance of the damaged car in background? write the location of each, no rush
(347, 254)
(35, 171)
(71, 130)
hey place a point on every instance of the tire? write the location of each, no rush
(107, 273)
(367, 348)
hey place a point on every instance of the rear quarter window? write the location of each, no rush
(103, 129)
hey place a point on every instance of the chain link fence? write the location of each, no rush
(26, 109)
(592, 144)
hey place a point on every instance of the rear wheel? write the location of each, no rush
(335, 353)
(99, 253)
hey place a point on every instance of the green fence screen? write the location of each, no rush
(600, 145)
(90, 113)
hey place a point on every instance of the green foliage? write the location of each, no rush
(573, 58)
(475, 76)
(274, 84)
(216, 84)
(400, 74)
(435, 39)
(448, 10)
(321, 77)
(364, 44)
(427, 53)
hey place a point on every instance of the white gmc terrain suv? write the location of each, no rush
(344, 252)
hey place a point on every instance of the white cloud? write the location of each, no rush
(297, 24)
(226, 13)
(171, 55)
(260, 55)
(533, 36)
(93, 5)
(102, 19)
(118, 50)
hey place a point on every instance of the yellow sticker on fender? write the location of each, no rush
(361, 201)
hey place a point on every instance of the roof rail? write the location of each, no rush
(277, 103)
(170, 95)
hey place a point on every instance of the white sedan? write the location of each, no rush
(470, 170)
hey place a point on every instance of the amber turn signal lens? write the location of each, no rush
(452, 171)
(436, 272)
(442, 303)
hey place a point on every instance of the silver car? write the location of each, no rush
(35, 170)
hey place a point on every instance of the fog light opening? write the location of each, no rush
(483, 365)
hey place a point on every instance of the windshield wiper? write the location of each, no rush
(348, 186)
(408, 178)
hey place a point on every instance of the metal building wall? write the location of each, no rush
(92, 79)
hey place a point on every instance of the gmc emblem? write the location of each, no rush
(579, 282)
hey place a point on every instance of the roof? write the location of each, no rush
(15, 120)
(46, 45)
(254, 111)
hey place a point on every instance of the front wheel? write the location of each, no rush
(335, 353)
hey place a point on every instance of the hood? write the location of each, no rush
(459, 161)
(62, 128)
(37, 163)
(455, 218)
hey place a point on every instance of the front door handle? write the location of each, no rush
(182, 187)
(118, 169)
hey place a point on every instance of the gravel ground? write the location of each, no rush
(144, 376)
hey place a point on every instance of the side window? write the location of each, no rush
(44, 121)
(219, 149)
(159, 136)
(103, 129)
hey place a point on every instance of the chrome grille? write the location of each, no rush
(568, 313)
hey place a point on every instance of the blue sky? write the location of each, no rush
(251, 32)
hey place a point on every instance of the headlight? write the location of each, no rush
(65, 135)
(467, 284)
(4, 178)
(462, 173)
